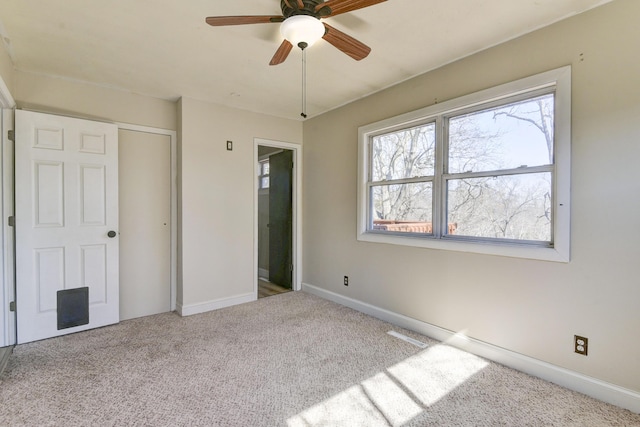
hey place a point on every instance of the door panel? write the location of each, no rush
(145, 224)
(66, 203)
(49, 277)
(280, 218)
(92, 195)
(48, 194)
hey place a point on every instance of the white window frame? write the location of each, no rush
(262, 175)
(558, 79)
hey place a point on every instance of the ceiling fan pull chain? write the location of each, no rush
(304, 82)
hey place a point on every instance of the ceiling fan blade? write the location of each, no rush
(342, 6)
(218, 21)
(282, 53)
(347, 44)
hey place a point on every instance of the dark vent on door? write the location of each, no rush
(73, 307)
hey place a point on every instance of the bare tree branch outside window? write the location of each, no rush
(497, 196)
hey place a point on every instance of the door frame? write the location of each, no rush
(7, 239)
(174, 198)
(296, 206)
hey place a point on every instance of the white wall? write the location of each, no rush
(530, 307)
(6, 68)
(216, 231)
(74, 98)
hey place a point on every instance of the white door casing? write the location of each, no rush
(66, 203)
(8, 322)
(7, 317)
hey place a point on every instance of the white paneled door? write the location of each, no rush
(66, 221)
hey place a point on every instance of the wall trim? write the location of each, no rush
(263, 272)
(572, 380)
(203, 307)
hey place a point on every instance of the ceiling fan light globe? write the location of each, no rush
(302, 28)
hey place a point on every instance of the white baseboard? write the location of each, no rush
(203, 307)
(263, 272)
(572, 380)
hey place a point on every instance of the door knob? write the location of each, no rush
(111, 234)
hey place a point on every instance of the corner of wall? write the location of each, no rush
(6, 78)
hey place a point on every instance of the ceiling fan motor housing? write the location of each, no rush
(300, 24)
(291, 8)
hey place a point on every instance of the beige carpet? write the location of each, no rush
(289, 360)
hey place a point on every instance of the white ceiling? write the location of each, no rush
(164, 48)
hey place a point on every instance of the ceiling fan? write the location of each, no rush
(301, 25)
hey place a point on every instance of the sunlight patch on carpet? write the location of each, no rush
(350, 407)
(397, 407)
(434, 373)
(398, 395)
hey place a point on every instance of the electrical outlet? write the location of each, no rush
(580, 344)
(346, 280)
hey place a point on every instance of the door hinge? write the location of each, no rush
(12, 306)
(11, 135)
(11, 221)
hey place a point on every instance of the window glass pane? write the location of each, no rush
(402, 208)
(406, 153)
(506, 207)
(264, 182)
(265, 168)
(510, 136)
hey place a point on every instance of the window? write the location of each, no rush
(263, 178)
(487, 173)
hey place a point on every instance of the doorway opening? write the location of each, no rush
(276, 220)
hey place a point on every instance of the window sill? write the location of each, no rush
(485, 248)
